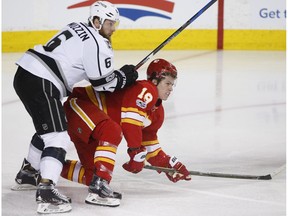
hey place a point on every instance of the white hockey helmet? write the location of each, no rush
(104, 10)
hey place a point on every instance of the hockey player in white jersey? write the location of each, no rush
(47, 74)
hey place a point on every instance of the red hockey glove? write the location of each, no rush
(137, 158)
(181, 174)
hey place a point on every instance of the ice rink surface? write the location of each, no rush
(227, 114)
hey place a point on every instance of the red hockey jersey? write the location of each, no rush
(136, 108)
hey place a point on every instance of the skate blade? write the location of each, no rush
(48, 208)
(23, 187)
(94, 199)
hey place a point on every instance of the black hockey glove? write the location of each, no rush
(126, 76)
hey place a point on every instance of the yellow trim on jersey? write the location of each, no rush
(107, 160)
(81, 174)
(91, 95)
(71, 170)
(132, 109)
(106, 148)
(103, 101)
(132, 121)
(81, 114)
(147, 143)
(152, 154)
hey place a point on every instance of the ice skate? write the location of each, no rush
(27, 178)
(50, 200)
(101, 194)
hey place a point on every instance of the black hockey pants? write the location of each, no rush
(42, 101)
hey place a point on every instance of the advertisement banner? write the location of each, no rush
(148, 14)
(255, 14)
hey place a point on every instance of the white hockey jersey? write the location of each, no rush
(78, 52)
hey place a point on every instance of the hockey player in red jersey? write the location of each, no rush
(45, 75)
(96, 121)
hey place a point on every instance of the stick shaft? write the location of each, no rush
(210, 174)
(175, 34)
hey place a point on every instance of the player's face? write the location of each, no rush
(165, 87)
(108, 28)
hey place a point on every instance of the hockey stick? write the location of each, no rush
(210, 174)
(175, 34)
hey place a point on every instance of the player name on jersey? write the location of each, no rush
(79, 30)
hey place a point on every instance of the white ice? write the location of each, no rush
(227, 114)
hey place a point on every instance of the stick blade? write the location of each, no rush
(265, 177)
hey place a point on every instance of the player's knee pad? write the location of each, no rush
(55, 153)
(108, 131)
(37, 142)
(57, 140)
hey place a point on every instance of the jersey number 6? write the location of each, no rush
(56, 41)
